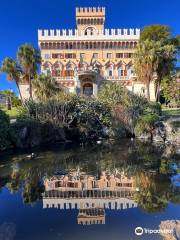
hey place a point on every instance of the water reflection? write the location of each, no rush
(91, 195)
(95, 182)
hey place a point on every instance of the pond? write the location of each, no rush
(93, 192)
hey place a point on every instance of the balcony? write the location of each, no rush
(123, 78)
(66, 78)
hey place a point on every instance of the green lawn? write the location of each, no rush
(171, 111)
(13, 113)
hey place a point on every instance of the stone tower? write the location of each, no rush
(91, 19)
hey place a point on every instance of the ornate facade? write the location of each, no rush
(83, 59)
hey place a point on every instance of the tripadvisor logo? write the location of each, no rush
(138, 231)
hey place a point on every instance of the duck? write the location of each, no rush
(31, 156)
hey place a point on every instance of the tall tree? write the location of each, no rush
(45, 87)
(13, 71)
(166, 54)
(155, 32)
(146, 62)
(9, 94)
(29, 59)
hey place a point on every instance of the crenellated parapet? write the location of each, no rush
(90, 10)
(74, 34)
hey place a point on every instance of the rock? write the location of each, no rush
(168, 150)
(159, 133)
(170, 229)
(23, 133)
(172, 126)
(178, 151)
(145, 137)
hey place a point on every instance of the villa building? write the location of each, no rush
(83, 59)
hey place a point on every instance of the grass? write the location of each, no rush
(13, 113)
(171, 112)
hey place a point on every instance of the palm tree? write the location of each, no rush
(146, 62)
(13, 71)
(9, 95)
(45, 87)
(29, 59)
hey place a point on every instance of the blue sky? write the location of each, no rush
(20, 19)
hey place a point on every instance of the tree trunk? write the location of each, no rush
(158, 91)
(9, 105)
(17, 84)
(30, 88)
(147, 92)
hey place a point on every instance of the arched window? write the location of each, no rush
(129, 69)
(57, 69)
(69, 70)
(120, 71)
(89, 31)
(109, 71)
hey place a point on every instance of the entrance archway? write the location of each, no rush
(88, 89)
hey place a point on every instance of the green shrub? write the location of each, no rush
(146, 124)
(153, 108)
(4, 130)
(28, 132)
(126, 107)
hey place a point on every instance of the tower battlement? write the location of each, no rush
(90, 10)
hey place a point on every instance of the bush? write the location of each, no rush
(4, 130)
(28, 133)
(153, 108)
(146, 124)
(126, 107)
(76, 116)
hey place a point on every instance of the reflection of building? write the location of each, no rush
(89, 216)
(84, 58)
(89, 194)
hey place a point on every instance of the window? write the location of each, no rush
(109, 71)
(82, 55)
(129, 71)
(70, 55)
(47, 56)
(119, 55)
(89, 30)
(95, 55)
(109, 55)
(57, 55)
(127, 55)
(120, 72)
